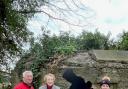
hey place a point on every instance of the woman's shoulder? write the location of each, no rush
(56, 87)
(43, 87)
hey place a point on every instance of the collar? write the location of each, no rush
(49, 87)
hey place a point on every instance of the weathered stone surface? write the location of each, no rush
(111, 55)
(96, 64)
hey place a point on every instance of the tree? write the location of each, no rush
(13, 32)
(94, 40)
(123, 41)
(53, 44)
(14, 15)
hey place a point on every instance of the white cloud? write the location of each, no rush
(111, 15)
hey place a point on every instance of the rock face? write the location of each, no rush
(94, 65)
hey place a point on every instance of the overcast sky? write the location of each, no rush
(111, 15)
(106, 15)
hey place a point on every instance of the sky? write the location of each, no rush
(111, 15)
(104, 15)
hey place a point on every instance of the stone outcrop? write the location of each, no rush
(93, 65)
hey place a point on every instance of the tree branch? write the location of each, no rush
(49, 15)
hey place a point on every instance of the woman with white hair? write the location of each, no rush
(49, 82)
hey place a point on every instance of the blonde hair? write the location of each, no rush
(106, 78)
(49, 74)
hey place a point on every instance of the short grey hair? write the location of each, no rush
(27, 72)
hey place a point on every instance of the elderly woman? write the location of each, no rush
(49, 82)
(105, 83)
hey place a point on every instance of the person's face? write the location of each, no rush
(105, 86)
(50, 80)
(28, 78)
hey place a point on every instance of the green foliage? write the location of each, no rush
(95, 40)
(123, 41)
(66, 50)
(47, 44)
(1, 78)
(36, 69)
(20, 66)
(14, 15)
(13, 31)
(64, 43)
(67, 44)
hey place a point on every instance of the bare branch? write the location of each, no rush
(48, 3)
(56, 18)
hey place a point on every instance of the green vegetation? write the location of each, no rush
(94, 40)
(123, 41)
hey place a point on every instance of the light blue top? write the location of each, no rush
(45, 87)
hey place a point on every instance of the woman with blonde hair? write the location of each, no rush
(105, 83)
(49, 82)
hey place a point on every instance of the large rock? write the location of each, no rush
(93, 65)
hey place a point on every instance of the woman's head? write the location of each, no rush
(49, 79)
(105, 86)
(105, 83)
